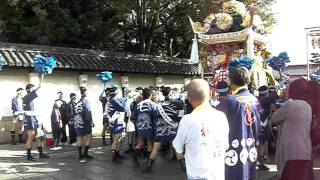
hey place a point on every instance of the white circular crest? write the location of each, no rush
(253, 154)
(235, 143)
(244, 156)
(250, 141)
(232, 158)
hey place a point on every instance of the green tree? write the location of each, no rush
(75, 23)
(157, 27)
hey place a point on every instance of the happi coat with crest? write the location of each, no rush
(243, 112)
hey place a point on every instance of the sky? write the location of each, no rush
(289, 35)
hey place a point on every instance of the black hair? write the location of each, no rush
(19, 89)
(28, 87)
(107, 90)
(263, 88)
(272, 88)
(83, 90)
(239, 76)
(222, 88)
(72, 95)
(146, 93)
(166, 91)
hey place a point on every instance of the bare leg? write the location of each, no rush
(152, 157)
(88, 140)
(140, 143)
(150, 145)
(116, 147)
(156, 147)
(116, 142)
(31, 134)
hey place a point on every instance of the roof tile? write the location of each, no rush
(72, 58)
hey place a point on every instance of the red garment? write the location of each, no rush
(297, 170)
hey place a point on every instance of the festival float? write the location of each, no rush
(236, 37)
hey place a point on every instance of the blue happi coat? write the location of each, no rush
(114, 112)
(30, 121)
(243, 113)
(266, 128)
(82, 117)
(144, 117)
(166, 125)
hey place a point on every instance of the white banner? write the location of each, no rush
(314, 45)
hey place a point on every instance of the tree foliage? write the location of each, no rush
(158, 27)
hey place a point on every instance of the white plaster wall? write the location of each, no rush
(141, 80)
(67, 82)
(173, 81)
(9, 82)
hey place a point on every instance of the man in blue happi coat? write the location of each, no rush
(170, 113)
(31, 122)
(83, 124)
(243, 113)
(144, 117)
(114, 113)
(104, 98)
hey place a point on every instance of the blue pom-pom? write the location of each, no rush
(316, 75)
(1, 62)
(279, 63)
(44, 65)
(104, 76)
(241, 61)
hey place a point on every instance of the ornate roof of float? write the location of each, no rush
(239, 36)
(234, 24)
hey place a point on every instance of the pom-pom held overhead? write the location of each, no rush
(104, 76)
(44, 65)
(279, 63)
(241, 61)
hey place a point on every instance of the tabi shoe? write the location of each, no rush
(85, 153)
(149, 166)
(41, 154)
(31, 158)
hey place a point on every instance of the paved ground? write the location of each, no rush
(65, 165)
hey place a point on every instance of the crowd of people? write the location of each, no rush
(226, 136)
